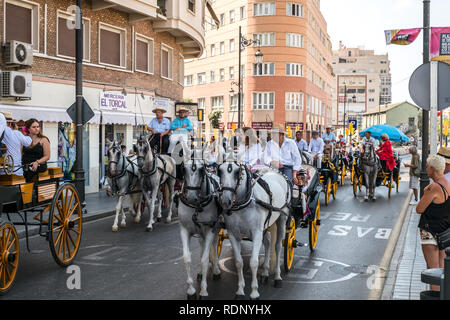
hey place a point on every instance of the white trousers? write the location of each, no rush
(319, 159)
(175, 138)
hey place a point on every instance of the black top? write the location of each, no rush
(32, 154)
(436, 218)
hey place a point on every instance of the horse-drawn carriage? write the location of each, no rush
(53, 206)
(329, 174)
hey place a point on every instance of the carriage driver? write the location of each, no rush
(181, 128)
(160, 127)
(316, 148)
(282, 153)
(369, 139)
(328, 136)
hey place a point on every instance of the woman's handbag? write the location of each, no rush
(443, 239)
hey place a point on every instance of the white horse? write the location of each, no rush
(198, 215)
(124, 178)
(156, 171)
(248, 211)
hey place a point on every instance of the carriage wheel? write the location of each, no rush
(314, 228)
(360, 182)
(390, 185)
(397, 182)
(355, 186)
(328, 191)
(9, 255)
(289, 240)
(335, 187)
(221, 237)
(343, 173)
(65, 224)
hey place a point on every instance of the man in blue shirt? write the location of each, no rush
(301, 143)
(160, 127)
(181, 128)
(329, 137)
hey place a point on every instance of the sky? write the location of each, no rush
(362, 23)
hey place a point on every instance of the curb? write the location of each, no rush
(375, 294)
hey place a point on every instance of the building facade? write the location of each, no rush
(363, 82)
(133, 57)
(293, 84)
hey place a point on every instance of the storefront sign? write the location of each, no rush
(294, 125)
(262, 125)
(110, 100)
(161, 103)
(220, 126)
(230, 125)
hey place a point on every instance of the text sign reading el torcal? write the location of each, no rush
(112, 100)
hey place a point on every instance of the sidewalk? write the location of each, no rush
(403, 278)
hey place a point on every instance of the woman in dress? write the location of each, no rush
(38, 153)
(385, 152)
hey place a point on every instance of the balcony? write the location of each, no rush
(138, 9)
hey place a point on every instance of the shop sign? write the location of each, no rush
(110, 100)
(262, 125)
(161, 103)
(221, 126)
(232, 125)
(294, 125)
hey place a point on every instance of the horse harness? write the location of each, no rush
(133, 175)
(155, 167)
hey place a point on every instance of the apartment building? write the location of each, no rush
(292, 86)
(133, 58)
(367, 78)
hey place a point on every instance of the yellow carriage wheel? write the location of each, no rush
(343, 173)
(390, 183)
(65, 224)
(355, 186)
(314, 228)
(289, 248)
(9, 256)
(221, 237)
(335, 188)
(328, 191)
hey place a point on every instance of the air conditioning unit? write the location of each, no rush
(18, 53)
(16, 84)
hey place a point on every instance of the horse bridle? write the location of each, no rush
(154, 167)
(117, 164)
(229, 169)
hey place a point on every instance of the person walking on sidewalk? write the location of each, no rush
(414, 173)
(434, 207)
(445, 152)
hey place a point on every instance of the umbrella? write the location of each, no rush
(393, 133)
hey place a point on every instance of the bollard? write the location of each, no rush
(446, 287)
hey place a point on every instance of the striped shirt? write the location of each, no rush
(14, 141)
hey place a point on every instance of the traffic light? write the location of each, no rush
(233, 127)
(289, 131)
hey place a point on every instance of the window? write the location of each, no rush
(217, 102)
(222, 19)
(65, 37)
(361, 91)
(231, 45)
(180, 69)
(243, 12)
(222, 74)
(294, 69)
(231, 73)
(308, 103)
(294, 9)
(201, 78)
(264, 69)
(264, 9)
(232, 16)
(212, 77)
(265, 39)
(242, 73)
(222, 47)
(294, 101)
(21, 22)
(188, 80)
(112, 46)
(201, 103)
(213, 50)
(234, 101)
(263, 100)
(294, 40)
(144, 54)
(383, 71)
(191, 5)
(166, 62)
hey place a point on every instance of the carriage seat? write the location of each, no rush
(41, 176)
(11, 180)
(55, 172)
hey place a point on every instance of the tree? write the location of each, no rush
(214, 118)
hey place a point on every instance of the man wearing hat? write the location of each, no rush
(328, 136)
(160, 127)
(445, 153)
(368, 138)
(181, 128)
(282, 153)
(316, 148)
(14, 141)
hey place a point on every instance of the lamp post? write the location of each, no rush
(345, 104)
(243, 43)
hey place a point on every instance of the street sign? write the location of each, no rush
(87, 112)
(354, 122)
(419, 86)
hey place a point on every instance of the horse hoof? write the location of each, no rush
(366, 199)
(264, 279)
(217, 276)
(149, 229)
(168, 220)
(158, 219)
(239, 297)
(115, 229)
(202, 297)
(253, 299)
(123, 225)
(192, 296)
(137, 220)
(278, 284)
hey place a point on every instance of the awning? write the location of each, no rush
(111, 117)
(212, 13)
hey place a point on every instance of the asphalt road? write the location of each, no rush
(134, 264)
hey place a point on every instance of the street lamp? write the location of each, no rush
(243, 43)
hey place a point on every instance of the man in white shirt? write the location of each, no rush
(300, 142)
(329, 137)
(14, 141)
(282, 153)
(368, 138)
(316, 148)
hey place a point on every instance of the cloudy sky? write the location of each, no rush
(362, 23)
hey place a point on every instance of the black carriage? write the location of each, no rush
(48, 203)
(329, 175)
